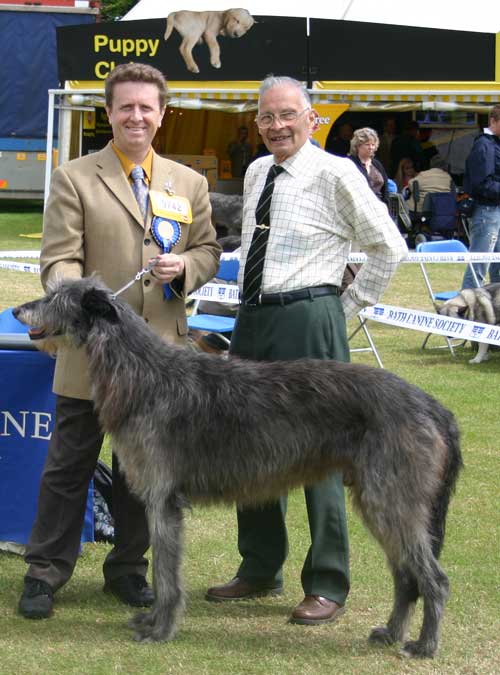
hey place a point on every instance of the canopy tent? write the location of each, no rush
(446, 70)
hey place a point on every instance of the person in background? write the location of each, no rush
(407, 145)
(482, 182)
(388, 135)
(302, 208)
(240, 153)
(429, 149)
(99, 218)
(340, 142)
(405, 171)
(435, 179)
(364, 145)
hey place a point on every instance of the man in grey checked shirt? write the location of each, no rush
(320, 204)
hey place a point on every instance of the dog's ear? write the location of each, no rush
(97, 304)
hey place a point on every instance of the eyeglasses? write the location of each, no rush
(266, 120)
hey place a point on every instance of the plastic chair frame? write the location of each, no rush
(372, 348)
(443, 246)
(214, 323)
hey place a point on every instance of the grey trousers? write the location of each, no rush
(309, 328)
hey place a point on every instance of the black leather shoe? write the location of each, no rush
(131, 589)
(240, 589)
(37, 599)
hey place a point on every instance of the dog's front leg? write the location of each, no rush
(482, 353)
(165, 528)
(214, 49)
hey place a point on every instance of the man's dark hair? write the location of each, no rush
(135, 72)
(495, 113)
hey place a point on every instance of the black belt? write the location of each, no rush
(293, 296)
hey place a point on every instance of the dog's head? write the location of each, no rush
(456, 307)
(236, 22)
(69, 311)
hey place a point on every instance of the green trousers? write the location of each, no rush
(308, 328)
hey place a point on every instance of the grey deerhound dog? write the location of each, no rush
(194, 427)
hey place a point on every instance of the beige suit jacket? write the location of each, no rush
(92, 223)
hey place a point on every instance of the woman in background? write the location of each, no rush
(364, 145)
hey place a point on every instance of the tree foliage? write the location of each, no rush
(111, 10)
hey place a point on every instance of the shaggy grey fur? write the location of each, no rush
(227, 210)
(190, 426)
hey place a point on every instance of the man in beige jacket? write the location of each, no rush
(93, 223)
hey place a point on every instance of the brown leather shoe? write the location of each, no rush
(314, 610)
(241, 589)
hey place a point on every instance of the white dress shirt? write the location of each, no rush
(321, 203)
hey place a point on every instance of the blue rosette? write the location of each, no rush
(166, 234)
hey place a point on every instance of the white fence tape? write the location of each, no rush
(388, 314)
(358, 257)
(433, 323)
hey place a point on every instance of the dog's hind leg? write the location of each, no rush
(433, 586)
(186, 50)
(165, 529)
(405, 596)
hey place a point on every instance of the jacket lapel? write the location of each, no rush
(110, 171)
(162, 176)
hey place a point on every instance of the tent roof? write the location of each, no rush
(482, 16)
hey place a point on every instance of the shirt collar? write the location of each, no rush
(128, 165)
(295, 164)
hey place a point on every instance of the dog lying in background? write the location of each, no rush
(227, 211)
(196, 27)
(476, 304)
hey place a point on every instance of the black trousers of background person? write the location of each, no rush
(309, 328)
(72, 456)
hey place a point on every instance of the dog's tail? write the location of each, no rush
(170, 25)
(454, 464)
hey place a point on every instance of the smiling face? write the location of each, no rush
(284, 139)
(135, 116)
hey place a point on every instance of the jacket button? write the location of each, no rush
(147, 242)
(147, 282)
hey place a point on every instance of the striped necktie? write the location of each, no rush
(140, 190)
(254, 266)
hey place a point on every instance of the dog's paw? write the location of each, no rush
(416, 649)
(381, 636)
(215, 64)
(194, 69)
(478, 359)
(141, 619)
(149, 627)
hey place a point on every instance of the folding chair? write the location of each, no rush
(444, 246)
(372, 348)
(222, 326)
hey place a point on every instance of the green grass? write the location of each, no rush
(88, 633)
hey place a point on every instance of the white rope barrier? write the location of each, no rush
(433, 323)
(388, 314)
(359, 257)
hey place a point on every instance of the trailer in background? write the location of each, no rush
(28, 50)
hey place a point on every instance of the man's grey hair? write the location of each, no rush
(283, 80)
(437, 162)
